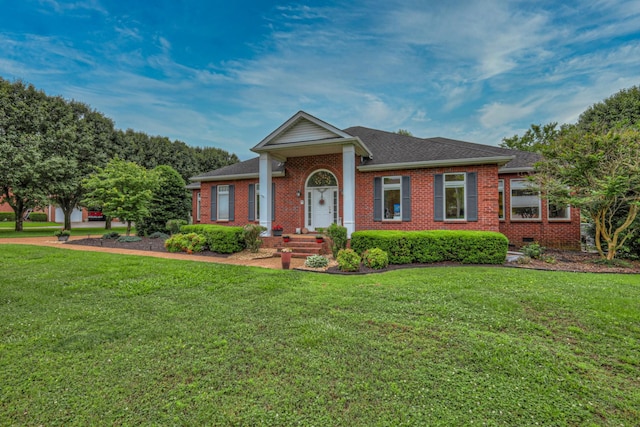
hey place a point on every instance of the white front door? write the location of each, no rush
(322, 206)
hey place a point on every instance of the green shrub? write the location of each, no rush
(348, 260)
(59, 233)
(405, 247)
(7, 216)
(111, 235)
(220, 238)
(128, 239)
(533, 250)
(38, 217)
(159, 235)
(173, 225)
(251, 235)
(190, 242)
(338, 236)
(316, 261)
(375, 258)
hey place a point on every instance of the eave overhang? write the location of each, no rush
(499, 160)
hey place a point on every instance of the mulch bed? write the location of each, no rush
(560, 260)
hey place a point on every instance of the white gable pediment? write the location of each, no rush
(303, 130)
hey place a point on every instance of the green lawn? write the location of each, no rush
(102, 339)
(11, 225)
(45, 230)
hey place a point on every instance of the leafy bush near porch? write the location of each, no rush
(338, 236)
(220, 238)
(190, 242)
(406, 247)
(348, 260)
(251, 235)
(375, 258)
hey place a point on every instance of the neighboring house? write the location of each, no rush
(310, 174)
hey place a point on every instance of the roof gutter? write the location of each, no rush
(501, 160)
(278, 174)
(523, 169)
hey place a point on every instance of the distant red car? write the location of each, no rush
(95, 215)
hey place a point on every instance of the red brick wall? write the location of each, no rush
(422, 194)
(290, 213)
(554, 233)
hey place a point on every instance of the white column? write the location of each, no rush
(349, 188)
(265, 192)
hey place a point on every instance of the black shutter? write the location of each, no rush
(377, 199)
(214, 203)
(406, 198)
(438, 198)
(472, 196)
(232, 203)
(273, 201)
(252, 202)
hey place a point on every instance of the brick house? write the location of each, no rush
(310, 174)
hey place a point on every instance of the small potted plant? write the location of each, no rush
(319, 238)
(62, 235)
(277, 230)
(285, 256)
(286, 238)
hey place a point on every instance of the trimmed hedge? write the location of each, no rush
(220, 238)
(7, 216)
(38, 217)
(406, 247)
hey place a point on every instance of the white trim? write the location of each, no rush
(523, 169)
(398, 187)
(238, 177)
(265, 192)
(437, 163)
(198, 203)
(568, 218)
(454, 184)
(539, 218)
(504, 205)
(349, 188)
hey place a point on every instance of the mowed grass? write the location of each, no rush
(40, 230)
(103, 339)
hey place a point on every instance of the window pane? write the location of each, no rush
(257, 203)
(391, 203)
(501, 204)
(223, 202)
(558, 212)
(457, 177)
(392, 180)
(525, 201)
(454, 203)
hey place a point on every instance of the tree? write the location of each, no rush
(600, 174)
(123, 189)
(534, 139)
(622, 107)
(170, 201)
(404, 132)
(24, 171)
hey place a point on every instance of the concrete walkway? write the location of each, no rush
(271, 262)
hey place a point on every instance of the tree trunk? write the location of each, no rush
(128, 228)
(19, 211)
(107, 222)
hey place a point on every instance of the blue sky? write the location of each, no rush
(226, 74)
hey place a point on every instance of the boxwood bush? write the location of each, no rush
(220, 238)
(406, 247)
(189, 242)
(38, 217)
(7, 216)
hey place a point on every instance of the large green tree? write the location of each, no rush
(534, 139)
(600, 174)
(170, 201)
(123, 189)
(25, 171)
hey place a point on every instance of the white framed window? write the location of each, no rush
(525, 201)
(223, 202)
(198, 202)
(454, 196)
(392, 198)
(558, 212)
(501, 199)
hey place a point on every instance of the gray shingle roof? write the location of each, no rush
(248, 167)
(389, 148)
